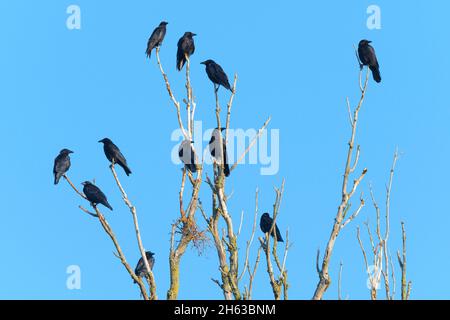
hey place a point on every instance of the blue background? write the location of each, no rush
(295, 61)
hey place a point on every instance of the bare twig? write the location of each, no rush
(252, 143)
(172, 97)
(250, 241)
(75, 188)
(340, 281)
(230, 104)
(88, 212)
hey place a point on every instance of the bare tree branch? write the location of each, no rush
(149, 274)
(248, 292)
(250, 241)
(75, 188)
(252, 143)
(111, 234)
(324, 277)
(281, 282)
(406, 287)
(381, 249)
(172, 97)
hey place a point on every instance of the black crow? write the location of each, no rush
(156, 38)
(140, 270)
(62, 164)
(216, 74)
(367, 56)
(95, 195)
(266, 224)
(185, 47)
(214, 149)
(187, 155)
(112, 152)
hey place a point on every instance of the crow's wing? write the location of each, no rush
(62, 164)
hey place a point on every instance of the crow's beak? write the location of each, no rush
(194, 34)
(100, 141)
(369, 41)
(204, 62)
(70, 151)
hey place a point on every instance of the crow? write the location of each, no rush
(216, 74)
(186, 153)
(266, 224)
(367, 56)
(186, 47)
(95, 195)
(140, 270)
(214, 144)
(156, 39)
(62, 164)
(113, 153)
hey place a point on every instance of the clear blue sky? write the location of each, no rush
(295, 60)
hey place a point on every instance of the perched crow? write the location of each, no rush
(185, 47)
(187, 155)
(156, 38)
(140, 270)
(214, 144)
(266, 224)
(216, 74)
(367, 56)
(62, 164)
(112, 152)
(95, 195)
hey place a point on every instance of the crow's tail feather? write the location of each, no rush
(108, 206)
(279, 237)
(180, 63)
(376, 74)
(126, 169)
(57, 177)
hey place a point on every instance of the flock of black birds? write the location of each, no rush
(186, 48)
(93, 193)
(216, 74)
